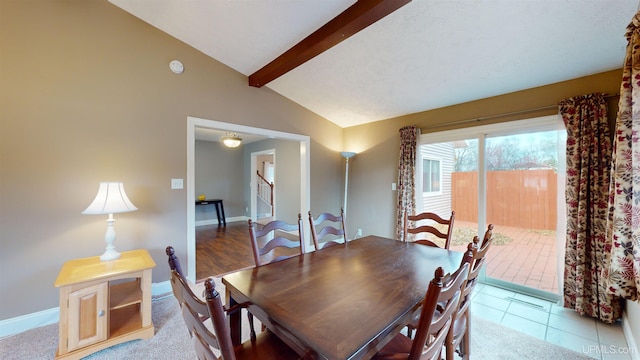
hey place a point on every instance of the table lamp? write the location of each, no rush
(110, 199)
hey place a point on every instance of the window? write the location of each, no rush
(431, 176)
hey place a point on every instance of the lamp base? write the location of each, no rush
(110, 254)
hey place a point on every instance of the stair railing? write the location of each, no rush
(265, 191)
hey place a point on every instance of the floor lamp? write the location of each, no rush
(347, 155)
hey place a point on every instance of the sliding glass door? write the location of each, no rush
(509, 175)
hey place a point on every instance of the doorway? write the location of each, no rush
(510, 175)
(193, 123)
(263, 193)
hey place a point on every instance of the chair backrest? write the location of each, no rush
(194, 310)
(174, 262)
(174, 265)
(274, 236)
(459, 331)
(443, 297)
(476, 263)
(429, 228)
(479, 252)
(488, 235)
(328, 230)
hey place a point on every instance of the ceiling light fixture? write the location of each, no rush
(231, 140)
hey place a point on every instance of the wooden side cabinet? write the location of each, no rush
(104, 303)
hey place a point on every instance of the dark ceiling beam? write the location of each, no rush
(357, 17)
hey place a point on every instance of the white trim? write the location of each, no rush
(161, 288)
(631, 340)
(18, 324)
(192, 123)
(215, 221)
(26, 322)
(550, 122)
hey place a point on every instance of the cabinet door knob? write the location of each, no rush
(101, 313)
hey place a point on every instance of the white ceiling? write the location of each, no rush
(426, 55)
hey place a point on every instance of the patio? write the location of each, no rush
(521, 256)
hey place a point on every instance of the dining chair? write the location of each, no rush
(331, 230)
(458, 338)
(436, 316)
(274, 241)
(429, 228)
(267, 346)
(275, 237)
(174, 265)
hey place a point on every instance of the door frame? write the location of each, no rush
(192, 123)
(254, 179)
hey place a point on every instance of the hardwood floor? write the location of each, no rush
(223, 249)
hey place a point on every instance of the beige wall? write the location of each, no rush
(219, 175)
(86, 95)
(374, 168)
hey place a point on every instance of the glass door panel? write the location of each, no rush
(512, 179)
(455, 189)
(522, 195)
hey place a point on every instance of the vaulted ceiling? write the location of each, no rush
(424, 55)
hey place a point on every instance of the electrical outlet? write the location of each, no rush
(359, 233)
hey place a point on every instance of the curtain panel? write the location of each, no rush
(624, 195)
(406, 176)
(587, 188)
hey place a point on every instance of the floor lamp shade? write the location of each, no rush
(111, 199)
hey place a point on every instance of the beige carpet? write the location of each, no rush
(489, 341)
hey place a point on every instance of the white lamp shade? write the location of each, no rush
(111, 199)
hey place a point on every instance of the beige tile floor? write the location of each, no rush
(551, 322)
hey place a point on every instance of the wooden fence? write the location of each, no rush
(519, 198)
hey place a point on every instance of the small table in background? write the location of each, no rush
(219, 209)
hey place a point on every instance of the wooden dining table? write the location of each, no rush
(342, 302)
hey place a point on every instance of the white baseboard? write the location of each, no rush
(215, 221)
(628, 335)
(26, 322)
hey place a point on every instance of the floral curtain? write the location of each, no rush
(624, 194)
(406, 175)
(588, 171)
